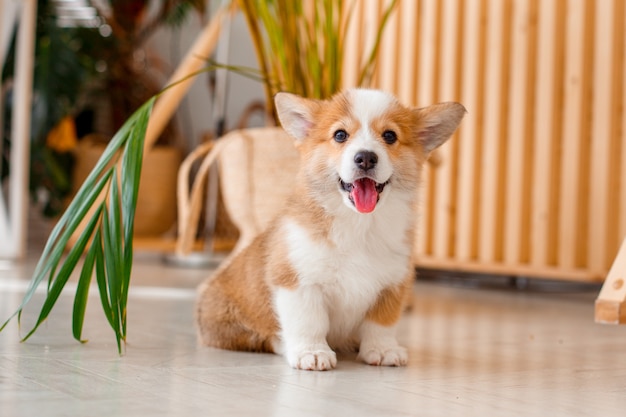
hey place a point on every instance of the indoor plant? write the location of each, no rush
(300, 45)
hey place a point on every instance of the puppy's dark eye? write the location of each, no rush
(340, 136)
(390, 137)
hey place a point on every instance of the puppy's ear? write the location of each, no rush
(437, 123)
(295, 114)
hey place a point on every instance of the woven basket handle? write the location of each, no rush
(189, 196)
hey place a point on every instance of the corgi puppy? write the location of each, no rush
(333, 270)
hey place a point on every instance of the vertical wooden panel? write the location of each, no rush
(548, 45)
(454, 166)
(408, 70)
(448, 50)
(581, 256)
(614, 233)
(557, 133)
(503, 141)
(480, 116)
(621, 189)
(388, 55)
(573, 114)
(425, 96)
(442, 175)
(427, 52)
(516, 133)
(530, 123)
(466, 208)
(491, 140)
(353, 44)
(601, 133)
(371, 20)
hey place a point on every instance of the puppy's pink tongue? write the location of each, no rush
(364, 195)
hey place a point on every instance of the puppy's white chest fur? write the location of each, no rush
(362, 256)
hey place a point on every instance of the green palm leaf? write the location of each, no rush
(82, 292)
(109, 229)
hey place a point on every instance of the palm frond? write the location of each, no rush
(109, 230)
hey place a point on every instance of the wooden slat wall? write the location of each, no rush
(534, 182)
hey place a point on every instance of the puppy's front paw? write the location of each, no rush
(379, 356)
(313, 359)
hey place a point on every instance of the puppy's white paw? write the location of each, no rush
(313, 359)
(380, 356)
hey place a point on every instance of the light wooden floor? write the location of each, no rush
(477, 349)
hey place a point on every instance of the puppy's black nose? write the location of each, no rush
(365, 160)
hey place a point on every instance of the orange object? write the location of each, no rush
(62, 138)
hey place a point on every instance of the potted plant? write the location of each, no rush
(300, 45)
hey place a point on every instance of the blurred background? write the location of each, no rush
(533, 184)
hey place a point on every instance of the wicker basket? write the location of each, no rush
(256, 169)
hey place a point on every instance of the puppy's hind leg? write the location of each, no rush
(222, 324)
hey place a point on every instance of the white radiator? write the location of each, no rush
(534, 182)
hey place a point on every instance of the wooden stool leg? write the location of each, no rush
(611, 302)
